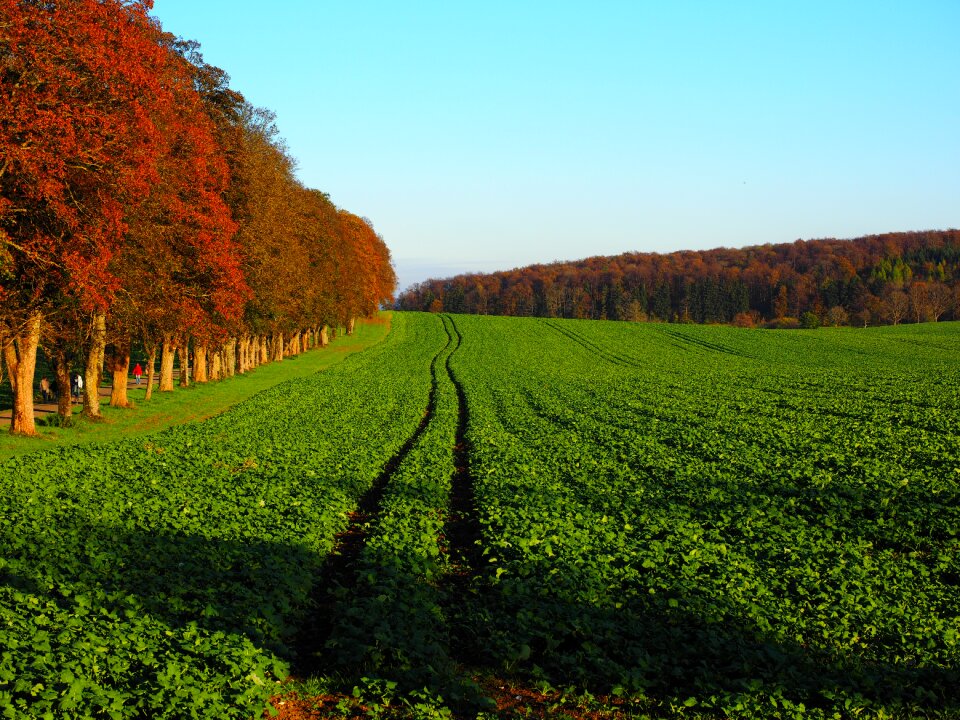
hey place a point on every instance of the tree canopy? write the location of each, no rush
(142, 199)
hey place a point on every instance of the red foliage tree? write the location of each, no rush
(79, 80)
(181, 267)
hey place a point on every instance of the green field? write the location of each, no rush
(481, 516)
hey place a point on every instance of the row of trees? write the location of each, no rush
(880, 279)
(142, 200)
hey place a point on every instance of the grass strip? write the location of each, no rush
(195, 403)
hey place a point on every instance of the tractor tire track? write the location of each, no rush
(611, 357)
(685, 341)
(462, 533)
(339, 571)
(676, 338)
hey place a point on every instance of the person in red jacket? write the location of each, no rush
(137, 372)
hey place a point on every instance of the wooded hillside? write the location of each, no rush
(879, 279)
(142, 200)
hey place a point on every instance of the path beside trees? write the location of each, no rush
(43, 409)
(193, 404)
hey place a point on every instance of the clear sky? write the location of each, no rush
(489, 135)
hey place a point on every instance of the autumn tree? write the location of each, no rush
(837, 315)
(919, 298)
(367, 277)
(274, 258)
(142, 199)
(895, 307)
(79, 81)
(939, 300)
(181, 267)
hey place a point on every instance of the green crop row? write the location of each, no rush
(392, 620)
(758, 523)
(167, 576)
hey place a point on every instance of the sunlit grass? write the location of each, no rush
(194, 403)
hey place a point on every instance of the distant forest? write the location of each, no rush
(878, 279)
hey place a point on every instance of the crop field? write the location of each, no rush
(485, 517)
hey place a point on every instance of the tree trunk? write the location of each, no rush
(215, 370)
(264, 350)
(324, 337)
(230, 358)
(166, 366)
(64, 398)
(351, 323)
(200, 364)
(242, 344)
(120, 366)
(93, 371)
(20, 354)
(151, 369)
(184, 352)
(278, 347)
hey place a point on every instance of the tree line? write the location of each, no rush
(143, 200)
(878, 279)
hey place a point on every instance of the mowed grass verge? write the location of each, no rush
(194, 403)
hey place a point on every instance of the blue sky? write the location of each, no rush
(489, 135)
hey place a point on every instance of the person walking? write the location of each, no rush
(78, 385)
(45, 389)
(137, 373)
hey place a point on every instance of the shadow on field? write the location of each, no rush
(253, 589)
(525, 629)
(519, 627)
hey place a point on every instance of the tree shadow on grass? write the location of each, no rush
(588, 625)
(226, 612)
(660, 648)
(152, 621)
